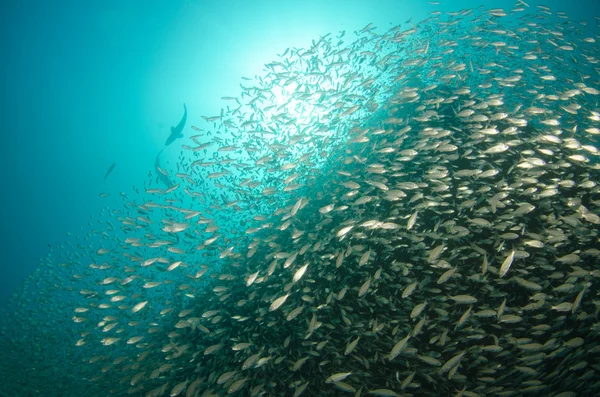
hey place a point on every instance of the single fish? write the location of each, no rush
(177, 131)
(164, 178)
(110, 169)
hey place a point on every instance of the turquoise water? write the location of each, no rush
(288, 105)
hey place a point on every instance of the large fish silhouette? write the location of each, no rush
(161, 174)
(177, 131)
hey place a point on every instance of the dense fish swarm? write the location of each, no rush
(411, 214)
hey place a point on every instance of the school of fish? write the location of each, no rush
(408, 213)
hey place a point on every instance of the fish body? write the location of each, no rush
(177, 131)
(110, 169)
(162, 174)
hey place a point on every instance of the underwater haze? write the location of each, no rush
(300, 198)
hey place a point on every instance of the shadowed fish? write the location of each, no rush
(110, 169)
(162, 175)
(177, 131)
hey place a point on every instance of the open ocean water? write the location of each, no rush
(300, 198)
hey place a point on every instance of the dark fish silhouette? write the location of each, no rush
(177, 132)
(161, 173)
(110, 169)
